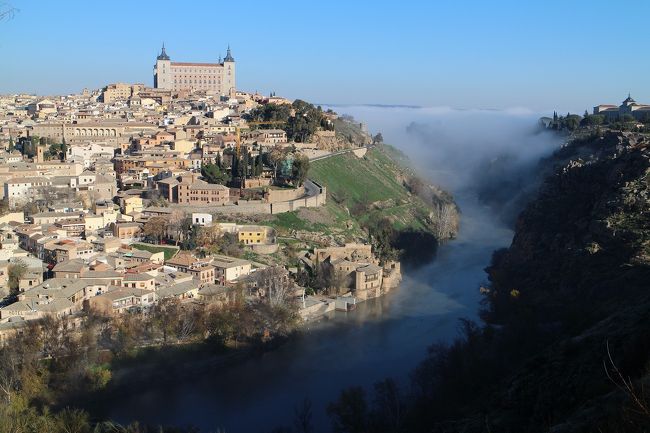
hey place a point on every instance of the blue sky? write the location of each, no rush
(466, 54)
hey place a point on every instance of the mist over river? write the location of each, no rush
(383, 337)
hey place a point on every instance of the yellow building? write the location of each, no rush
(120, 92)
(250, 235)
(184, 146)
(131, 205)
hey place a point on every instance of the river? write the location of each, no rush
(384, 337)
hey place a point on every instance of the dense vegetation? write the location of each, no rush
(300, 120)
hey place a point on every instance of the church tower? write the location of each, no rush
(162, 71)
(228, 73)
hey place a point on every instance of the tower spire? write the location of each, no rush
(229, 57)
(163, 54)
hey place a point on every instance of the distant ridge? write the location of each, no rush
(412, 107)
(372, 105)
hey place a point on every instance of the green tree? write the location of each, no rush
(300, 169)
(15, 272)
(212, 173)
(572, 121)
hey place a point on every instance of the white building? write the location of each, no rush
(88, 154)
(202, 219)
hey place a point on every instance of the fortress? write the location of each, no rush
(217, 78)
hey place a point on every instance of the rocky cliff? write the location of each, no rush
(569, 299)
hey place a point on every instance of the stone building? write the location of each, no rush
(120, 92)
(199, 192)
(218, 78)
(628, 107)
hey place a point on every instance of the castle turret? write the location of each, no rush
(229, 73)
(162, 71)
(163, 55)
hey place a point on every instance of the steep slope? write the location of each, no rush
(381, 186)
(573, 287)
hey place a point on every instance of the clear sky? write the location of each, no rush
(569, 54)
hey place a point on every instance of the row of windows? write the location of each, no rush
(197, 82)
(194, 71)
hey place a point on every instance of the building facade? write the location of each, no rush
(120, 92)
(629, 107)
(217, 78)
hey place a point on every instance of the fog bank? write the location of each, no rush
(489, 154)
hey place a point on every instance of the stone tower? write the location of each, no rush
(162, 71)
(40, 153)
(228, 73)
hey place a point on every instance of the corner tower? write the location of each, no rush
(162, 71)
(228, 73)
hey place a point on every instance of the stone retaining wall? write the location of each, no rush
(257, 207)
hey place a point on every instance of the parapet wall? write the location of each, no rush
(318, 198)
(282, 195)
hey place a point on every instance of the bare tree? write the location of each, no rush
(624, 384)
(156, 227)
(275, 284)
(303, 417)
(445, 220)
(208, 236)
(9, 373)
(179, 224)
(186, 325)
(165, 315)
(7, 11)
(339, 280)
(48, 193)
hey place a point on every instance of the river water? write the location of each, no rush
(384, 337)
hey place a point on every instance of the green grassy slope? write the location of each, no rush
(373, 183)
(168, 251)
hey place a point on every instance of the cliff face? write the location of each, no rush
(573, 290)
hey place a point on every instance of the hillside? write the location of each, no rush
(373, 187)
(364, 191)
